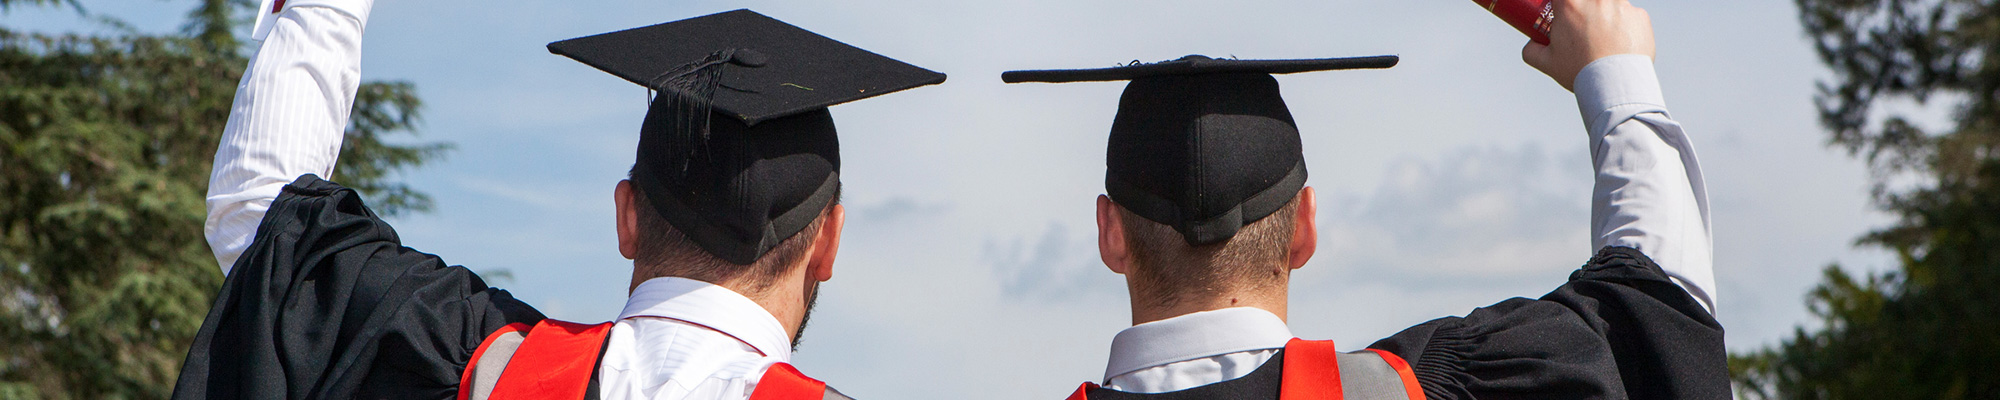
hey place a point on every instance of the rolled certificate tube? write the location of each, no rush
(1531, 17)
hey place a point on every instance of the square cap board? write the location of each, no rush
(772, 70)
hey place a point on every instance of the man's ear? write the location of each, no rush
(826, 245)
(628, 220)
(1305, 230)
(1111, 236)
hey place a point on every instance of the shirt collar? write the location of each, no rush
(1196, 335)
(710, 306)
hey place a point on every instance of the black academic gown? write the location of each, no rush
(1618, 329)
(327, 304)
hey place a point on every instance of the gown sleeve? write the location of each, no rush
(327, 303)
(1619, 328)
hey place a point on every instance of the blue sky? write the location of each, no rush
(1453, 181)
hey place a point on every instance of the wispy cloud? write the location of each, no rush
(1056, 265)
(547, 198)
(1475, 213)
(899, 209)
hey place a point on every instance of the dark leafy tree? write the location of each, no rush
(105, 147)
(1930, 328)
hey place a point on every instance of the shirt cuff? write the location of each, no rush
(1616, 81)
(268, 11)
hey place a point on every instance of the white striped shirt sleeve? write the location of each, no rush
(289, 115)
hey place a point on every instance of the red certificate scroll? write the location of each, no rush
(1532, 17)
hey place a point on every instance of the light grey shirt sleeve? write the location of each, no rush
(1648, 193)
(289, 115)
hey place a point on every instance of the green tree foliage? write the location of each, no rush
(1930, 329)
(105, 148)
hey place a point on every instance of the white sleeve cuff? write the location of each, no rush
(1615, 82)
(268, 11)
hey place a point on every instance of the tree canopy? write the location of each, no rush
(1925, 329)
(105, 146)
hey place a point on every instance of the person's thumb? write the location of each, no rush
(1536, 55)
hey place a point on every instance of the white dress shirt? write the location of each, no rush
(676, 339)
(1194, 349)
(1648, 195)
(687, 339)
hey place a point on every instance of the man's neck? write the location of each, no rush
(783, 298)
(1149, 308)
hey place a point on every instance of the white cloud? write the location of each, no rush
(1440, 235)
(1058, 265)
(1471, 214)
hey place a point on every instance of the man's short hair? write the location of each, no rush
(667, 252)
(1170, 269)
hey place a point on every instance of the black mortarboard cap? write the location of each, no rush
(1203, 145)
(738, 151)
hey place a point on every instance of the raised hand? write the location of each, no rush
(1587, 30)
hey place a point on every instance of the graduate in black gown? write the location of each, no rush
(735, 189)
(1207, 213)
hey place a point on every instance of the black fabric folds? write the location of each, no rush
(327, 304)
(1619, 329)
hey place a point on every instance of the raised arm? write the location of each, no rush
(1649, 193)
(289, 115)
